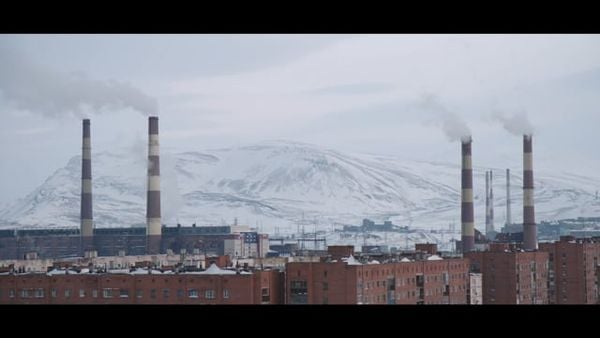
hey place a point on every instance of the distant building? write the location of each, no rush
(234, 240)
(369, 225)
(573, 266)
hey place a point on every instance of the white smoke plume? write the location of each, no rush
(454, 127)
(518, 124)
(38, 89)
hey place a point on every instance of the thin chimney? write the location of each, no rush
(487, 202)
(529, 226)
(153, 216)
(491, 227)
(508, 216)
(86, 216)
(467, 214)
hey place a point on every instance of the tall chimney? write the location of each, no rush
(491, 227)
(153, 219)
(508, 216)
(487, 202)
(86, 227)
(529, 227)
(467, 217)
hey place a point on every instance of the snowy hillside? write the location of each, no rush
(277, 183)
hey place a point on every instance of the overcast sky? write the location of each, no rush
(383, 94)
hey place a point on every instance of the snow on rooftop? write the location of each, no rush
(119, 271)
(215, 270)
(61, 272)
(434, 258)
(405, 260)
(374, 262)
(351, 261)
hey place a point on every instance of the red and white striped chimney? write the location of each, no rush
(529, 226)
(153, 217)
(86, 216)
(467, 215)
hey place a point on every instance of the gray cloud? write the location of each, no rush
(353, 89)
(41, 90)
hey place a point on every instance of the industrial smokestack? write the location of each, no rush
(86, 227)
(529, 226)
(467, 217)
(508, 216)
(153, 199)
(491, 225)
(487, 201)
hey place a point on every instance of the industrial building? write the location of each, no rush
(156, 238)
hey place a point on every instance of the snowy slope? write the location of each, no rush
(277, 183)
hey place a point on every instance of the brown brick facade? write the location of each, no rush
(260, 287)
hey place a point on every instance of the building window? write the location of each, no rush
(165, 293)
(153, 293)
(325, 286)
(139, 293)
(11, 293)
(81, 293)
(107, 293)
(179, 293)
(325, 273)
(39, 293)
(265, 295)
(209, 294)
(95, 293)
(225, 294)
(53, 293)
(298, 292)
(68, 293)
(193, 293)
(124, 293)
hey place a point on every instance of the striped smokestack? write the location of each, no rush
(87, 228)
(529, 227)
(153, 198)
(467, 218)
(508, 216)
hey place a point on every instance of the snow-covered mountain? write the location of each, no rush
(277, 183)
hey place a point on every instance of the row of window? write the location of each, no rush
(122, 293)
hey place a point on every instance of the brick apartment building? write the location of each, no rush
(573, 270)
(212, 286)
(428, 281)
(511, 276)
